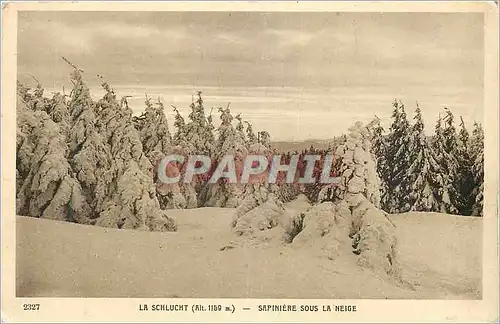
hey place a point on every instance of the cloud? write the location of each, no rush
(84, 37)
(129, 31)
(290, 37)
(401, 52)
(230, 37)
(55, 33)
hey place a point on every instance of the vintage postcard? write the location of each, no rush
(250, 162)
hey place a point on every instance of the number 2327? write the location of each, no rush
(31, 307)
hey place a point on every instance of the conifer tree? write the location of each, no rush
(264, 138)
(229, 142)
(398, 152)
(260, 203)
(444, 187)
(379, 150)
(251, 138)
(355, 210)
(464, 181)
(156, 140)
(89, 154)
(357, 169)
(423, 173)
(153, 130)
(46, 186)
(131, 202)
(209, 132)
(180, 137)
(59, 112)
(180, 125)
(239, 126)
(450, 143)
(313, 190)
(199, 131)
(38, 101)
(477, 154)
(23, 95)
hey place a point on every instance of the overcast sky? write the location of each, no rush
(297, 75)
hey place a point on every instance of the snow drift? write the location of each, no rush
(203, 259)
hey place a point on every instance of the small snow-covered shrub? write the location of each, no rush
(293, 227)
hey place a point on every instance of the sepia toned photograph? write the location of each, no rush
(395, 99)
(281, 156)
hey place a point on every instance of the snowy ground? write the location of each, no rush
(441, 258)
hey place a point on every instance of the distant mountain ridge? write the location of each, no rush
(290, 146)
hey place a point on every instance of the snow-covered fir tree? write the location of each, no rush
(24, 143)
(353, 211)
(199, 130)
(153, 130)
(398, 153)
(264, 138)
(45, 184)
(261, 203)
(379, 150)
(423, 176)
(230, 142)
(152, 126)
(199, 133)
(444, 188)
(59, 112)
(464, 181)
(477, 155)
(23, 95)
(157, 141)
(260, 206)
(356, 166)
(132, 202)
(239, 126)
(38, 101)
(452, 164)
(179, 124)
(251, 138)
(373, 234)
(180, 137)
(89, 153)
